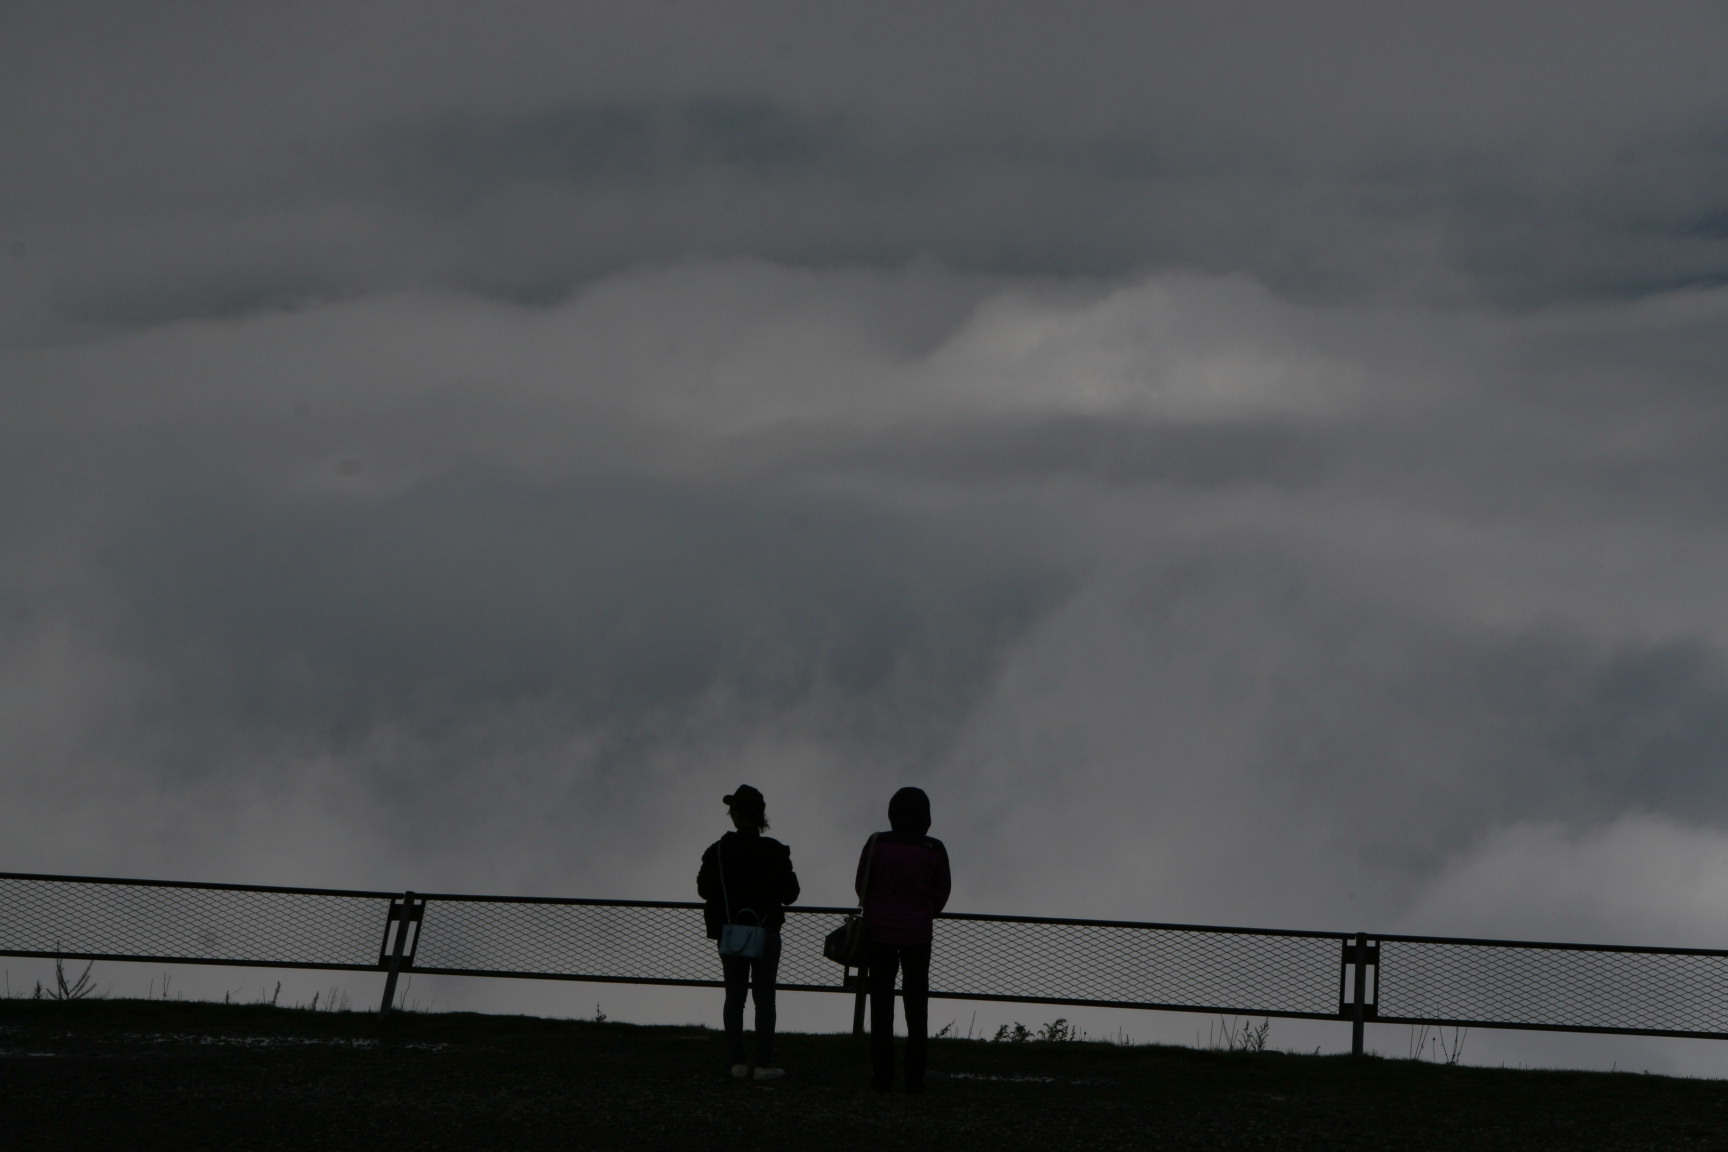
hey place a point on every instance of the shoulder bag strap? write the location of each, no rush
(720, 859)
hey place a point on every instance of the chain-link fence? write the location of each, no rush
(974, 957)
(1559, 987)
(637, 942)
(89, 918)
(1126, 964)
(1250, 972)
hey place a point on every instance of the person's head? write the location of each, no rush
(748, 808)
(909, 811)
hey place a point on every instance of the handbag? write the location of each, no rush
(846, 944)
(744, 941)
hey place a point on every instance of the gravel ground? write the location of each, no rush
(149, 1074)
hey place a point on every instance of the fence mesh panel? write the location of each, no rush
(622, 941)
(162, 922)
(1132, 964)
(801, 959)
(610, 941)
(1434, 981)
(972, 957)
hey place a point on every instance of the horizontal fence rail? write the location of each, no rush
(1359, 978)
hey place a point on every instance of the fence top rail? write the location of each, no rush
(463, 897)
(819, 909)
(391, 895)
(1550, 945)
(471, 898)
(200, 884)
(849, 909)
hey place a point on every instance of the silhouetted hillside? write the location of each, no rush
(132, 1074)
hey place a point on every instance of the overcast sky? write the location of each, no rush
(1250, 462)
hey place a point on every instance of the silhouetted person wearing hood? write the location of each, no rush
(903, 882)
(747, 872)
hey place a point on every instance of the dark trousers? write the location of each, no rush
(755, 977)
(913, 963)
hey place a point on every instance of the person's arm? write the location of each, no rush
(863, 869)
(789, 881)
(706, 887)
(944, 885)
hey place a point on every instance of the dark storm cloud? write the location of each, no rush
(617, 603)
(531, 206)
(198, 163)
(430, 537)
(1274, 453)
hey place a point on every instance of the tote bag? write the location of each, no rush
(846, 944)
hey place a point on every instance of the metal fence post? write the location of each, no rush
(404, 912)
(1359, 1014)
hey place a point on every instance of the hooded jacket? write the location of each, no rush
(903, 879)
(759, 877)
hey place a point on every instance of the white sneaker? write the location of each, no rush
(739, 1071)
(770, 1073)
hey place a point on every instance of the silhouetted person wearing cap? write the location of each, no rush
(747, 878)
(903, 881)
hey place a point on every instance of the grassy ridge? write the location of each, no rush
(151, 1074)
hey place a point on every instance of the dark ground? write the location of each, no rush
(125, 1074)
